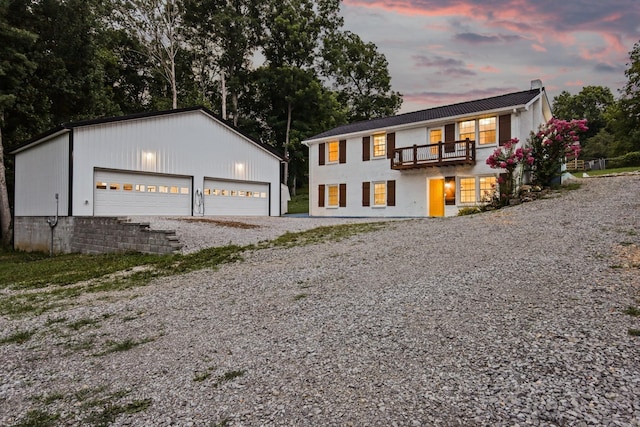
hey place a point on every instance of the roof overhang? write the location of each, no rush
(42, 139)
(423, 123)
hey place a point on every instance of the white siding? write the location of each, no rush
(411, 185)
(190, 143)
(40, 173)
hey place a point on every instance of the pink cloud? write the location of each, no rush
(489, 69)
(576, 83)
(538, 48)
(525, 18)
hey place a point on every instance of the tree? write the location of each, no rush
(361, 75)
(591, 103)
(628, 127)
(223, 35)
(292, 36)
(15, 66)
(157, 26)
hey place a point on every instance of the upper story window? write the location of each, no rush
(468, 130)
(333, 151)
(379, 145)
(435, 136)
(487, 130)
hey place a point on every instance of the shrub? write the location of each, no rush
(469, 210)
(629, 159)
(555, 141)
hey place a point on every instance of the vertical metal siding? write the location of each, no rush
(190, 143)
(40, 173)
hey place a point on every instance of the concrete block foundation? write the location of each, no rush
(91, 235)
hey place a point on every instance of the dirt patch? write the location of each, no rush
(629, 255)
(222, 223)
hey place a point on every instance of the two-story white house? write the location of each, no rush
(425, 163)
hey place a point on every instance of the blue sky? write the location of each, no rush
(441, 52)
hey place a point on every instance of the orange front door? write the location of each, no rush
(436, 197)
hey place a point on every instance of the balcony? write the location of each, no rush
(434, 155)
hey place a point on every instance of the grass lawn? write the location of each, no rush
(300, 202)
(578, 174)
(33, 283)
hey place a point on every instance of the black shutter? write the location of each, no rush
(366, 148)
(366, 194)
(450, 138)
(342, 196)
(321, 153)
(321, 196)
(342, 151)
(391, 193)
(504, 129)
(391, 145)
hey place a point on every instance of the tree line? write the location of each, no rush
(281, 70)
(614, 123)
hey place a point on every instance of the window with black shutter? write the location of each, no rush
(366, 194)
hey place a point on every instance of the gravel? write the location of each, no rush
(506, 318)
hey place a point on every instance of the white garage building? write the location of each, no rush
(179, 163)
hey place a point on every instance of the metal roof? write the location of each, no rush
(509, 100)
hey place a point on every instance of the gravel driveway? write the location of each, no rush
(512, 317)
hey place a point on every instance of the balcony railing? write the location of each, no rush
(433, 155)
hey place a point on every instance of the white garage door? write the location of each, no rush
(129, 193)
(235, 198)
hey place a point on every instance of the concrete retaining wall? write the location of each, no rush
(92, 235)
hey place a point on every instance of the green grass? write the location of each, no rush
(632, 311)
(228, 376)
(607, 171)
(80, 323)
(300, 202)
(38, 418)
(634, 332)
(19, 337)
(36, 283)
(126, 345)
(324, 234)
(96, 407)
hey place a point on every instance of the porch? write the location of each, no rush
(433, 155)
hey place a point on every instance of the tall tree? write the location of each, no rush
(224, 34)
(628, 127)
(293, 33)
(590, 103)
(15, 67)
(361, 75)
(157, 26)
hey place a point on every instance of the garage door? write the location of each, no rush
(235, 198)
(130, 193)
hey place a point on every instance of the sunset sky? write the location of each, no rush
(441, 52)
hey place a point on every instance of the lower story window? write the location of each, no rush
(467, 190)
(334, 196)
(477, 189)
(487, 187)
(379, 193)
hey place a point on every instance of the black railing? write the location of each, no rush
(432, 155)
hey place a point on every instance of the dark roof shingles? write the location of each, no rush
(470, 107)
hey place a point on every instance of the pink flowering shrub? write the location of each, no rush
(554, 142)
(509, 158)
